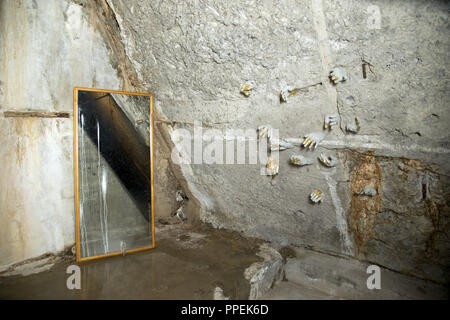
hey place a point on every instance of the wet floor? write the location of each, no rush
(189, 262)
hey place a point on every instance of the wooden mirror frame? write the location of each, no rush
(76, 176)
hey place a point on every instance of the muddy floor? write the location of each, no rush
(189, 262)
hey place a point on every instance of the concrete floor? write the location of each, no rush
(287, 290)
(191, 261)
(313, 275)
(187, 263)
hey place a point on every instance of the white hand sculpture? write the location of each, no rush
(272, 166)
(331, 120)
(313, 139)
(337, 75)
(353, 127)
(300, 160)
(316, 196)
(329, 161)
(265, 131)
(246, 90)
(288, 92)
(368, 191)
(280, 144)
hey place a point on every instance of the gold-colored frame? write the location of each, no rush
(75, 168)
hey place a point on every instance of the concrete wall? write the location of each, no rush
(47, 48)
(195, 56)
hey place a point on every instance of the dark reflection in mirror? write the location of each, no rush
(114, 165)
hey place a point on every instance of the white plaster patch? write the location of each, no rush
(341, 222)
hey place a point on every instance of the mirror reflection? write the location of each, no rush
(114, 173)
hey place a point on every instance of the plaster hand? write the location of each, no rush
(329, 161)
(353, 127)
(337, 75)
(265, 131)
(300, 160)
(331, 120)
(272, 166)
(280, 145)
(316, 196)
(313, 139)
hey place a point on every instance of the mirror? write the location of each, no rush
(113, 165)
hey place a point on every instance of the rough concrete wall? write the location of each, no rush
(195, 56)
(137, 111)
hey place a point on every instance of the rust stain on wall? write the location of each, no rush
(416, 164)
(438, 213)
(363, 209)
(25, 129)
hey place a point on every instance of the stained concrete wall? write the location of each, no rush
(47, 48)
(195, 56)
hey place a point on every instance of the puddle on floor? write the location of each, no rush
(187, 263)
